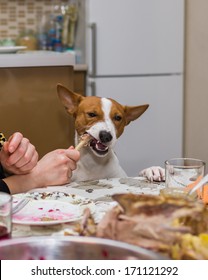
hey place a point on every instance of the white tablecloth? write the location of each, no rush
(99, 191)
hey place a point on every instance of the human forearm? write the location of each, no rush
(55, 168)
(39, 177)
(21, 183)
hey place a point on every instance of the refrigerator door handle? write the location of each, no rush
(93, 27)
(92, 85)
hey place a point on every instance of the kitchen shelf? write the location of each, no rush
(37, 58)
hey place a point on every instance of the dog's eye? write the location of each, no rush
(91, 114)
(117, 118)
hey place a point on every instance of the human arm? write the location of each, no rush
(55, 168)
(18, 155)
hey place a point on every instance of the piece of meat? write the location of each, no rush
(153, 222)
(87, 227)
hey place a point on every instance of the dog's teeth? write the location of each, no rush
(101, 149)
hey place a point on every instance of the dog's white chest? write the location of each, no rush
(91, 168)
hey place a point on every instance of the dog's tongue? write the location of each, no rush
(98, 145)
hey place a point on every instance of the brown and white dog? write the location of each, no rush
(104, 119)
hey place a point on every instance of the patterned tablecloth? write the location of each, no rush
(99, 191)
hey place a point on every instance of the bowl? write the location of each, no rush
(72, 248)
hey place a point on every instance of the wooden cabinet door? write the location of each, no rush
(29, 103)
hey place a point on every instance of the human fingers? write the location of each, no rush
(72, 164)
(14, 141)
(19, 152)
(66, 160)
(73, 154)
(27, 157)
(28, 162)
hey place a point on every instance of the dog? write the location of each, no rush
(104, 119)
(153, 174)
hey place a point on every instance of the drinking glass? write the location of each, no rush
(5, 215)
(182, 173)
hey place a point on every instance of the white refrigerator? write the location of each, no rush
(135, 55)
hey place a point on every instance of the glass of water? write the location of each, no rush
(183, 172)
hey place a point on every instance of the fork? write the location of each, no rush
(20, 205)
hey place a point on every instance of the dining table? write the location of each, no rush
(94, 194)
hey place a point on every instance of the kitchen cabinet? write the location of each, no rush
(29, 102)
(135, 55)
(80, 73)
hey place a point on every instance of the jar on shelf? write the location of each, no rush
(28, 39)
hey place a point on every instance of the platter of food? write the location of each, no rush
(174, 226)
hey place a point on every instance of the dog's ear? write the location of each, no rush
(69, 99)
(133, 112)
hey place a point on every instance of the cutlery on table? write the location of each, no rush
(16, 208)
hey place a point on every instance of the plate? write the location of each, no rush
(11, 49)
(38, 212)
(50, 208)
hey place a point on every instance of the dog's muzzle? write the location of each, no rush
(100, 146)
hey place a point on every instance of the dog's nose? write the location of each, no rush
(105, 136)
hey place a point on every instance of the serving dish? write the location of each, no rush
(72, 248)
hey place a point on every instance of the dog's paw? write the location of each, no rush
(154, 173)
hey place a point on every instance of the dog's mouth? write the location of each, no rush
(98, 147)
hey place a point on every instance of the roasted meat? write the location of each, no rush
(154, 222)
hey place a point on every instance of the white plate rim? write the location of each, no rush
(53, 222)
(11, 49)
(91, 204)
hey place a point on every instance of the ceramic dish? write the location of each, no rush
(11, 49)
(50, 208)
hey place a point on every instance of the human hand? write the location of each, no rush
(18, 155)
(56, 167)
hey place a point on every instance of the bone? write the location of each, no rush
(85, 139)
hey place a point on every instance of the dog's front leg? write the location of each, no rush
(154, 173)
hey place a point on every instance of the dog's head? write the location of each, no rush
(103, 118)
